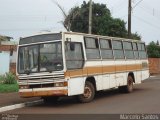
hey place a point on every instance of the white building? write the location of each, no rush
(7, 55)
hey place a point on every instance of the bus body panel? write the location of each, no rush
(76, 86)
(106, 81)
(145, 74)
(120, 72)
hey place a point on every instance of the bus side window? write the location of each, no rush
(92, 48)
(118, 49)
(74, 55)
(128, 50)
(135, 48)
(142, 51)
(106, 49)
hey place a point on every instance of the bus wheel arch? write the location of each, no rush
(129, 87)
(92, 80)
(130, 80)
(89, 91)
(132, 75)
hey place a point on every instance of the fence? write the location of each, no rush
(154, 65)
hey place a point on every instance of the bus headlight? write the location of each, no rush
(60, 84)
(23, 87)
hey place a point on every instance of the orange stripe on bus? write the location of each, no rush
(109, 69)
(101, 70)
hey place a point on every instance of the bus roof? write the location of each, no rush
(77, 33)
(105, 37)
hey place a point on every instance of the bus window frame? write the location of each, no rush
(111, 48)
(124, 58)
(38, 44)
(145, 50)
(136, 51)
(97, 48)
(81, 44)
(128, 50)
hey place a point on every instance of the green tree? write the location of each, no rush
(157, 42)
(135, 36)
(153, 50)
(102, 21)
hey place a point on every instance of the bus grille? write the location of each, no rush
(39, 80)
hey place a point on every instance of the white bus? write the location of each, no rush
(51, 65)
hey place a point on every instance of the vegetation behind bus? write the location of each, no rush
(153, 50)
(103, 22)
(8, 83)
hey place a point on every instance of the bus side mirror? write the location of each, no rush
(72, 46)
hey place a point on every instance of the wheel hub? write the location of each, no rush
(87, 92)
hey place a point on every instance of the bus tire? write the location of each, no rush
(89, 93)
(50, 99)
(121, 89)
(129, 87)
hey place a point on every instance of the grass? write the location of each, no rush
(8, 83)
(7, 88)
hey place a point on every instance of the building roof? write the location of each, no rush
(5, 38)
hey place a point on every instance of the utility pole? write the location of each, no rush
(90, 18)
(129, 17)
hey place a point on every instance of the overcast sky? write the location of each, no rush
(20, 18)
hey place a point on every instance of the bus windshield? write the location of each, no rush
(46, 57)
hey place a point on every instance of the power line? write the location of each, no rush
(124, 16)
(153, 10)
(155, 26)
(119, 6)
(150, 13)
(137, 4)
(148, 7)
(116, 3)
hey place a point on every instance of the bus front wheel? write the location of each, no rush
(89, 93)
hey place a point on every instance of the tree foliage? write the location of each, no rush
(102, 21)
(153, 50)
(68, 17)
(157, 42)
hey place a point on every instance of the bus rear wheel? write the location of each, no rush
(89, 93)
(129, 87)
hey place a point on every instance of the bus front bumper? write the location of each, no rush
(40, 92)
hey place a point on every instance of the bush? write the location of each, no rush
(2, 77)
(153, 50)
(9, 78)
